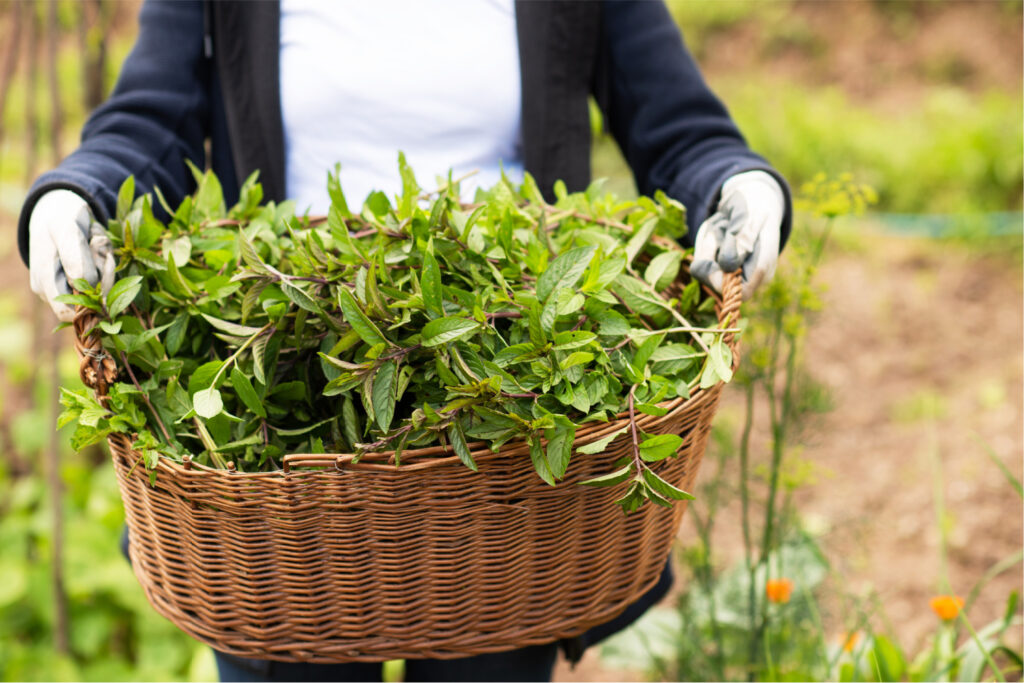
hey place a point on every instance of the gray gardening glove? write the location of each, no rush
(744, 231)
(65, 243)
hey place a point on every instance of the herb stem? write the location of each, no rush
(209, 443)
(618, 346)
(660, 301)
(401, 352)
(638, 463)
(685, 328)
(145, 398)
(233, 357)
(630, 309)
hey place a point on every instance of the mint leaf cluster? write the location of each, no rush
(248, 332)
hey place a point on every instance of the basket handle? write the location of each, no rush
(96, 367)
(732, 297)
(312, 460)
(340, 461)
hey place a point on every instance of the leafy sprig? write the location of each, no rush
(250, 332)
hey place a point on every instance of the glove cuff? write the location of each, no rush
(736, 182)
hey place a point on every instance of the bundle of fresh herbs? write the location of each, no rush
(247, 333)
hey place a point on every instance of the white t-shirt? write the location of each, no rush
(362, 80)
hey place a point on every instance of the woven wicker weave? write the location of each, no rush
(329, 561)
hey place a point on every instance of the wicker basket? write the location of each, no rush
(330, 561)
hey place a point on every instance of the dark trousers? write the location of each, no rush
(533, 663)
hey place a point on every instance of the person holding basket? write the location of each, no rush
(290, 88)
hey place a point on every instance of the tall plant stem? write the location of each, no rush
(748, 425)
(939, 500)
(768, 380)
(10, 62)
(52, 456)
(780, 422)
(95, 21)
(31, 114)
(56, 108)
(706, 579)
(705, 569)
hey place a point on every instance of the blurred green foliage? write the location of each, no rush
(944, 149)
(113, 632)
(956, 153)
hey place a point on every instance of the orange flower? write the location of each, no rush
(778, 590)
(947, 607)
(851, 641)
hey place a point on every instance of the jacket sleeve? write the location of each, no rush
(155, 119)
(675, 134)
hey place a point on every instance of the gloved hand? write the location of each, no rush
(65, 243)
(744, 231)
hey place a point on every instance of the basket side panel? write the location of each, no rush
(354, 565)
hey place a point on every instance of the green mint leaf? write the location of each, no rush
(207, 403)
(535, 328)
(559, 449)
(355, 317)
(334, 192)
(447, 330)
(659, 447)
(663, 269)
(122, 294)
(350, 425)
(203, 375)
(651, 409)
(540, 461)
(300, 298)
(230, 327)
(573, 339)
(601, 445)
(176, 334)
(79, 300)
(247, 393)
(720, 357)
(612, 478)
(384, 394)
(664, 488)
(640, 237)
(125, 197)
(430, 282)
(564, 271)
(458, 441)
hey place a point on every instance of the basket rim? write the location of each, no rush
(725, 304)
